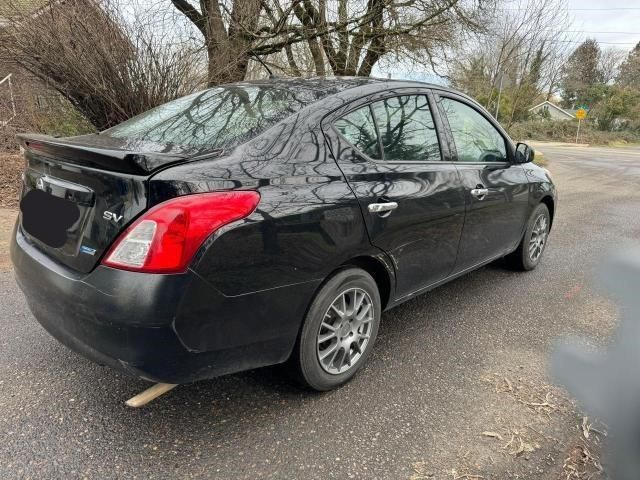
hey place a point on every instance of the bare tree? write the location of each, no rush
(610, 61)
(344, 37)
(518, 60)
(105, 67)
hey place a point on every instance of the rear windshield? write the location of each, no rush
(214, 118)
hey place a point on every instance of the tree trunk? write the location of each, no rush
(292, 61)
(224, 67)
(314, 45)
(375, 51)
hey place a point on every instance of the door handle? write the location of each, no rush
(386, 207)
(479, 193)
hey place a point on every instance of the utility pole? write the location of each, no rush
(499, 96)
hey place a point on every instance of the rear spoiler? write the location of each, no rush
(115, 160)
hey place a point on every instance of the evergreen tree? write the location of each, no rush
(581, 74)
(536, 66)
(629, 75)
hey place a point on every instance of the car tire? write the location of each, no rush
(349, 331)
(534, 241)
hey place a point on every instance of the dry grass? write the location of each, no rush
(565, 131)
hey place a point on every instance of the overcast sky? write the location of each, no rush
(592, 18)
(613, 23)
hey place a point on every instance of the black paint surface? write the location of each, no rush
(243, 300)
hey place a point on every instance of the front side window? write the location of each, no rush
(406, 129)
(360, 131)
(476, 139)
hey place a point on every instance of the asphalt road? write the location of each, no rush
(469, 357)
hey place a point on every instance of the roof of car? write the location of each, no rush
(342, 89)
(336, 84)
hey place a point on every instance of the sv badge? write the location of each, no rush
(107, 215)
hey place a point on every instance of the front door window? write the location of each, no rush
(476, 139)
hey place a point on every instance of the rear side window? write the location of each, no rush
(360, 131)
(406, 129)
(476, 139)
(214, 118)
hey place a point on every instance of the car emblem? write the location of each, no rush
(87, 250)
(40, 183)
(114, 217)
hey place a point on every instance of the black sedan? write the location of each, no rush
(263, 222)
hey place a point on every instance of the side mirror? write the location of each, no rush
(524, 153)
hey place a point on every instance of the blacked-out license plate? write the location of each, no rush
(47, 217)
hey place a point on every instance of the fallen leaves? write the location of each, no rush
(420, 472)
(455, 475)
(518, 446)
(581, 464)
(543, 399)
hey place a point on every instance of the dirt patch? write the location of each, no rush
(538, 433)
(533, 430)
(519, 426)
(11, 167)
(7, 220)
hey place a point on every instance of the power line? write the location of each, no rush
(602, 9)
(554, 40)
(594, 31)
(609, 9)
(589, 31)
(597, 41)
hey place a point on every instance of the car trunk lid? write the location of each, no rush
(78, 196)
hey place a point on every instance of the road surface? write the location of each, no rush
(457, 384)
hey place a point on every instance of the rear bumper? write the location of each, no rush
(163, 328)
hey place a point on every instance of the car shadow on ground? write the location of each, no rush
(269, 388)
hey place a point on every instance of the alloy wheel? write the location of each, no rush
(345, 331)
(538, 237)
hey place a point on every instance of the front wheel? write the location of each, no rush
(339, 330)
(529, 252)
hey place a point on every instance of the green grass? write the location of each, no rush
(540, 159)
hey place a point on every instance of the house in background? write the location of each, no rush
(550, 111)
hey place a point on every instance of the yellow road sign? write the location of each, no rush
(581, 114)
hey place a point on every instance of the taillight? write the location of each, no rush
(165, 239)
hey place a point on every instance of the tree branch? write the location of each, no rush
(192, 14)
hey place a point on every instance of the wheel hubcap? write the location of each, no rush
(538, 237)
(345, 331)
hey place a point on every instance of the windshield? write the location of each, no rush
(213, 118)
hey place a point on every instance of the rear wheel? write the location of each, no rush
(529, 252)
(339, 330)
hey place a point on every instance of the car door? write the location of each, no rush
(412, 201)
(497, 190)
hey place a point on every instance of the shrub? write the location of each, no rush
(565, 131)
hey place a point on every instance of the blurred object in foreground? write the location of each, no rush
(607, 382)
